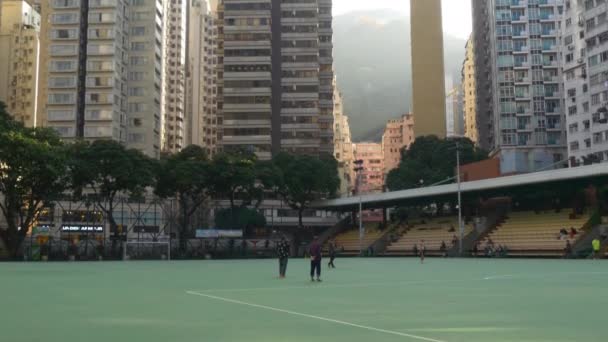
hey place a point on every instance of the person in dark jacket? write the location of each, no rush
(332, 254)
(315, 259)
(283, 253)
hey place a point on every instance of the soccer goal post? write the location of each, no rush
(147, 250)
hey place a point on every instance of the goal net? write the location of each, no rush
(147, 250)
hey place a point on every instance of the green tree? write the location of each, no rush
(186, 177)
(431, 160)
(33, 168)
(104, 170)
(233, 174)
(304, 179)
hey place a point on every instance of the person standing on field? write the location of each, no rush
(283, 253)
(332, 254)
(315, 259)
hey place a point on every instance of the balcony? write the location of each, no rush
(552, 94)
(520, 18)
(523, 33)
(523, 65)
(551, 33)
(548, 63)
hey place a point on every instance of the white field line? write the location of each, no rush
(312, 286)
(294, 313)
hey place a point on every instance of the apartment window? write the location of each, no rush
(572, 110)
(136, 76)
(138, 31)
(136, 91)
(138, 60)
(61, 115)
(64, 18)
(65, 3)
(102, 17)
(595, 99)
(62, 50)
(64, 34)
(98, 131)
(137, 107)
(64, 131)
(63, 65)
(136, 138)
(96, 114)
(574, 146)
(100, 66)
(62, 98)
(62, 82)
(138, 46)
(100, 49)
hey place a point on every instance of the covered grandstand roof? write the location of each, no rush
(389, 199)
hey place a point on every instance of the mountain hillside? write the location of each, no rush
(373, 63)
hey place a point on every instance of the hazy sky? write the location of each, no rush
(456, 13)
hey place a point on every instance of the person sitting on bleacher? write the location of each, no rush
(454, 240)
(563, 234)
(573, 232)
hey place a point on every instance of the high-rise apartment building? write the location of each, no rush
(174, 99)
(101, 70)
(398, 134)
(469, 93)
(343, 145)
(19, 59)
(428, 92)
(201, 102)
(525, 75)
(454, 111)
(146, 75)
(483, 39)
(585, 77)
(277, 92)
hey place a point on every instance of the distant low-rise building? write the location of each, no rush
(398, 134)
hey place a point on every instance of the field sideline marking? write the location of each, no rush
(362, 285)
(390, 332)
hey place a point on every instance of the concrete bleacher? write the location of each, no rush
(347, 242)
(433, 232)
(528, 233)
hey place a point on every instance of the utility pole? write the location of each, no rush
(460, 225)
(359, 170)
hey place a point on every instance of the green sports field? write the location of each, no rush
(361, 300)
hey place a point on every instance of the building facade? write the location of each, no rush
(146, 75)
(469, 93)
(101, 71)
(174, 99)
(484, 98)
(19, 59)
(398, 134)
(585, 77)
(371, 178)
(343, 146)
(428, 91)
(276, 93)
(201, 102)
(454, 109)
(525, 76)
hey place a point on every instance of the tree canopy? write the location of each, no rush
(430, 160)
(33, 172)
(103, 170)
(304, 179)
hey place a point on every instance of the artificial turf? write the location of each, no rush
(361, 300)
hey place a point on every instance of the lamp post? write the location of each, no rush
(460, 225)
(358, 169)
